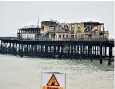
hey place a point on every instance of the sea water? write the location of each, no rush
(25, 73)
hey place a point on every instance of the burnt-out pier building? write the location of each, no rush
(60, 42)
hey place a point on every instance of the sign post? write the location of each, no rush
(53, 80)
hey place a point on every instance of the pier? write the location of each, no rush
(71, 49)
(85, 40)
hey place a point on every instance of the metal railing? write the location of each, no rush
(64, 39)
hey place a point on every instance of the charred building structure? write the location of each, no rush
(29, 32)
(67, 31)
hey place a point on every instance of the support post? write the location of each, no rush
(78, 49)
(71, 52)
(19, 49)
(95, 51)
(10, 49)
(41, 49)
(90, 51)
(54, 48)
(46, 50)
(101, 61)
(58, 49)
(1, 46)
(62, 51)
(74, 50)
(81, 52)
(13, 52)
(105, 51)
(27, 49)
(16, 48)
(22, 52)
(110, 55)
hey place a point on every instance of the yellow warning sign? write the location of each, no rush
(52, 84)
(53, 81)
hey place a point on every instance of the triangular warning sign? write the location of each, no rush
(53, 81)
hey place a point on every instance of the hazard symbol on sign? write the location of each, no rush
(53, 81)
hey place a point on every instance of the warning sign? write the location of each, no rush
(53, 80)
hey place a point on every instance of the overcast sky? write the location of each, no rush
(15, 15)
